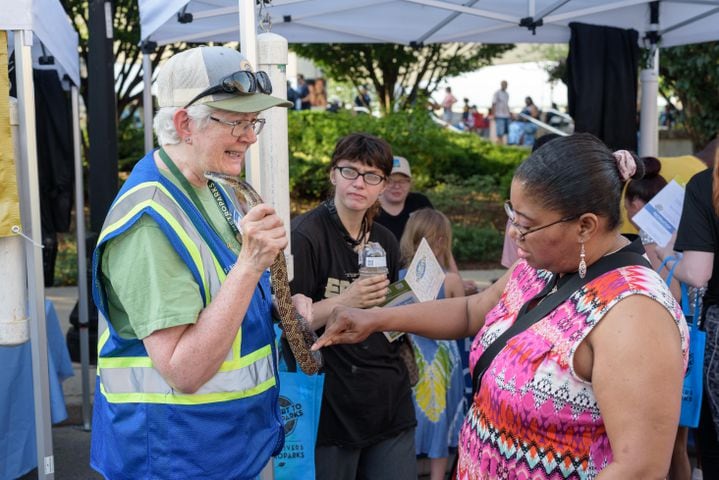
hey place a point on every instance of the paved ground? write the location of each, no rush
(71, 444)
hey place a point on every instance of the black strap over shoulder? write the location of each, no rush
(629, 255)
(352, 242)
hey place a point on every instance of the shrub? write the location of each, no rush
(66, 261)
(130, 144)
(477, 244)
(434, 152)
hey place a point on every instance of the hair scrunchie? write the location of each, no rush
(626, 164)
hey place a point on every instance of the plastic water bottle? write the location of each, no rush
(372, 261)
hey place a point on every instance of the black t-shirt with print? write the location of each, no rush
(396, 223)
(367, 396)
(699, 227)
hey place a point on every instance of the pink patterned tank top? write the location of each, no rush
(533, 417)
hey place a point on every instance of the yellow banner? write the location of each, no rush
(9, 204)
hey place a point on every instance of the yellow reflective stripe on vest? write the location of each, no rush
(232, 361)
(134, 379)
(146, 385)
(184, 237)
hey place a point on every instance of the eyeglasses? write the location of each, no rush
(523, 232)
(242, 82)
(240, 127)
(400, 180)
(369, 178)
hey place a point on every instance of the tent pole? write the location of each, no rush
(649, 80)
(30, 215)
(248, 47)
(648, 123)
(253, 172)
(81, 262)
(147, 49)
(272, 57)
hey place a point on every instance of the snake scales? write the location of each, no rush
(297, 330)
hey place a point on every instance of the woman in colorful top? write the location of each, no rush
(439, 393)
(592, 388)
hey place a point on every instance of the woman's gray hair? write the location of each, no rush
(165, 128)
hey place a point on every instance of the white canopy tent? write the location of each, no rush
(437, 21)
(414, 22)
(428, 21)
(32, 25)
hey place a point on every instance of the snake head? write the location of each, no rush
(242, 189)
(222, 178)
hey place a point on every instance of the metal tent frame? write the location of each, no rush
(30, 24)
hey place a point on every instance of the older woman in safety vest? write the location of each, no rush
(187, 383)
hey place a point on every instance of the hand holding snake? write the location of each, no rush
(299, 334)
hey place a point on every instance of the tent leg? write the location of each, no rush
(272, 58)
(30, 215)
(81, 263)
(248, 47)
(147, 100)
(649, 121)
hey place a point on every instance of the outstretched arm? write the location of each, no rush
(460, 317)
(362, 293)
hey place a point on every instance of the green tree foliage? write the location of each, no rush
(465, 176)
(126, 49)
(692, 73)
(436, 154)
(391, 68)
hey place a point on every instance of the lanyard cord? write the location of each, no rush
(353, 243)
(221, 204)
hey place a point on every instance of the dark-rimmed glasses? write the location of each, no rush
(351, 173)
(523, 232)
(399, 180)
(242, 82)
(239, 127)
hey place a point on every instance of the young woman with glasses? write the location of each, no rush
(366, 427)
(591, 386)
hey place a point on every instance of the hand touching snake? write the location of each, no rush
(299, 334)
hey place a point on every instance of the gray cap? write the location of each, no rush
(401, 165)
(187, 74)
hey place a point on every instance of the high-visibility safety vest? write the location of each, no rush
(142, 428)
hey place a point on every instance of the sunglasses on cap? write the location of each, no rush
(242, 82)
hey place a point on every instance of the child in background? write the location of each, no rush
(439, 394)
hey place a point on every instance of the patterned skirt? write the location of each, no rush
(438, 397)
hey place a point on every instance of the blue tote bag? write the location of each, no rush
(692, 389)
(300, 401)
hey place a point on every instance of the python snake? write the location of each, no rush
(297, 330)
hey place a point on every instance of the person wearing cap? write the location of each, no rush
(187, 383)
(398, 202)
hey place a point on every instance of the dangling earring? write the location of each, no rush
(582, 270)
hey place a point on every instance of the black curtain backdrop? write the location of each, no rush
(602, 75)
(54, 151)
(55, 162)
